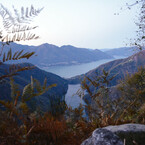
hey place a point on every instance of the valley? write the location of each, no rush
(73, 73)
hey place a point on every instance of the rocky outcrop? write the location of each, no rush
(103, 137)
(130, 134)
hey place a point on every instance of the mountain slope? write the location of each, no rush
(122, 51)
(48, 54)
(23, 78)
(119, 67)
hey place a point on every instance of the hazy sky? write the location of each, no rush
(82, 23)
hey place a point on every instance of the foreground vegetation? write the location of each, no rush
(19, 125)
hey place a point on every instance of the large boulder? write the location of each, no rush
(103, 137)
(130, 133)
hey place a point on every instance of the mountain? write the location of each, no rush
(122, 51)
(121, 66)
(24, 77)
(117, 67)
(48, 54)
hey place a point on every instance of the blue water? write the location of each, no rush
(71, 97)
(73, 70)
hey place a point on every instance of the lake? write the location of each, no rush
(73, 70)
(71, 98)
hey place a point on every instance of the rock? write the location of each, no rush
(131, 133)
(103, 137)
(126, 128)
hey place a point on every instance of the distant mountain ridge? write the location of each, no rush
(119, 67)
(122, 51)
(49, 55)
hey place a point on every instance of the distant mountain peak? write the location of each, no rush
(68, 46)
(47, 45)
(50, 55)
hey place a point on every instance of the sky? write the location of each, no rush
(82, 23)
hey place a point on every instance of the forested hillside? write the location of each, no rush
(119, 68)
(24, 78)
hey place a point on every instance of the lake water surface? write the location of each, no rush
(71, 98)
(73, 70)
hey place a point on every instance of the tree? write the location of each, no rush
(14, 113)
(139, 41)
(16, 28)
(132, 89)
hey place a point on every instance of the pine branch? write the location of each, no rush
(20, 28)
(26, 16)
(14, 71)
(16, 56)
(19, 37)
